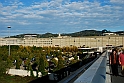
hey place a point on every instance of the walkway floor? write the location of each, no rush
(113, 79)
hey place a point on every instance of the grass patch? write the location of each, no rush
(15, 79)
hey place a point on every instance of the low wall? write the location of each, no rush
(21, 72)
(96, 73)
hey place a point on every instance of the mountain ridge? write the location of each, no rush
(75, 34)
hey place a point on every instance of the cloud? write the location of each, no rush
(63, 15)
(23, 22)
(117, 1)
(34, 16)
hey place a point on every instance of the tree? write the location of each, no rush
(31, 71)
(104, 31)
(60, 62)
(55, 61)
(4, 65)
(75, 57)
(42, 64)
(18, 62)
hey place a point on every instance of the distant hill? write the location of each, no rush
(75, 34)
(120, 32)
(46, 35)
(85, 33)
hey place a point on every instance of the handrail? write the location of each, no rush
(108, 76)
(77, 72)
(96, 73)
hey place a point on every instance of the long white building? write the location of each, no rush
(63, 41)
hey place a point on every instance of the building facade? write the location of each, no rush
(60, 41)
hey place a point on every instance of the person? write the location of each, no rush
(121, 61)
(114, 62)
(119, 51)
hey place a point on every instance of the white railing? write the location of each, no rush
(96, 73)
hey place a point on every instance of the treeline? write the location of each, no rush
(75, 34)
(85, 33)
(36, 58)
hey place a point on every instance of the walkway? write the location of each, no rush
(113, 79)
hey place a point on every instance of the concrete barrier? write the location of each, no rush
(96, 73)
(21, 72)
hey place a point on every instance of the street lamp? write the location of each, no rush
(9, 38)
(96, 41)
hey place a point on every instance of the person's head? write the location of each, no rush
(114, 51)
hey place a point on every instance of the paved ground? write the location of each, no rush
(113, 79)
(118, 79)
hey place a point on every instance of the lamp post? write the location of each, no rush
(96, 41)
(9, 38)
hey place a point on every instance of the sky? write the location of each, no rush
(60, 16)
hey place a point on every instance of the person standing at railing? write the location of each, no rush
(113, 60)
(121, 61)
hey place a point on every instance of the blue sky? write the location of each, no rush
(60, 16)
